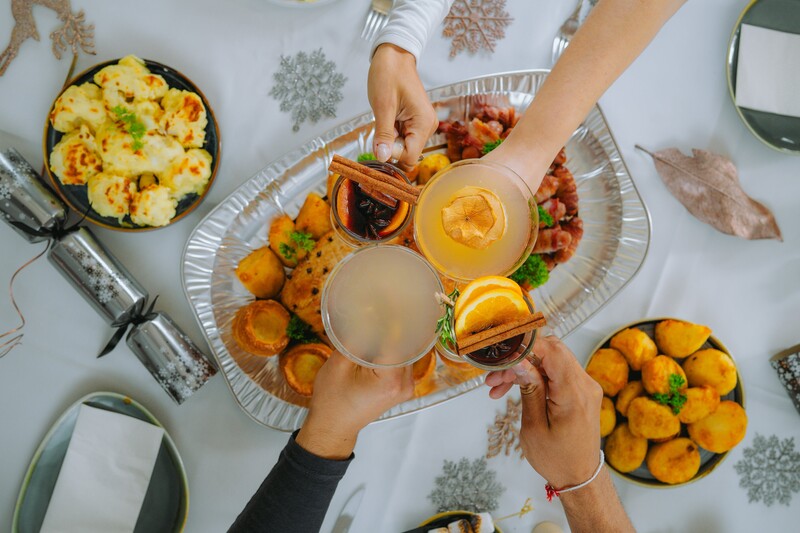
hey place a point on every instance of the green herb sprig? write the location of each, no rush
(300, 332)
(545, 217)
(533, 272)
(444, 326)
(488, 147)
(675, 399)
(301, 240)
(132, 125)
(366, 156)
(304, 240)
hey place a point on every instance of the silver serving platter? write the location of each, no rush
(614, 246)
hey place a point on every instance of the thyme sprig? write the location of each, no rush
(444, 326)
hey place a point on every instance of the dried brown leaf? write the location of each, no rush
(707, 184)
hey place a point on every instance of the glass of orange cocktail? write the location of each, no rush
(476, 218)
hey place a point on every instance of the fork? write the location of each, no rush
(376, 18)
(570, 26)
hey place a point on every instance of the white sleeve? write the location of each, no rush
(410, 24)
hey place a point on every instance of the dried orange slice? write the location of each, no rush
(480, 285)
(492, 308)
(474, 218)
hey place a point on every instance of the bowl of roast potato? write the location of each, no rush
(673, 401)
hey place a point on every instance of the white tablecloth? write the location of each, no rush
(674, 95)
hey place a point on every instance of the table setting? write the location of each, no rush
(196, 300)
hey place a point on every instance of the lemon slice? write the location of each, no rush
(492, 308)
(474, 218)
(478, 286)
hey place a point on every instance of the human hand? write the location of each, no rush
(400, 104)
(346, 398)
(560, 432)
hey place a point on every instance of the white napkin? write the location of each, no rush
(105, 474)
(768, 72)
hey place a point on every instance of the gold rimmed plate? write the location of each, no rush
(166, 502)
(780, 132)
(75, 196)
(708, 460)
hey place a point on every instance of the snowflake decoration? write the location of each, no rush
(308, 86)
(770, 470)
(466, 485)
(504, 433)
(185, 372)
(5, 191)
(103, 284)
(476, 24)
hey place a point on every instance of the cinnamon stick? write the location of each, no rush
(373, 179)
(487, 337)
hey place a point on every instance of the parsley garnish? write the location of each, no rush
(545, 217)
(303, 240)
(132, 125)
(444, 326)
(533, 272)
(675, 398)
(488, 147)
(286, 251)
(299, 331)
(366, 156)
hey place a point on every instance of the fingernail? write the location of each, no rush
(397, 149)
(383, 152)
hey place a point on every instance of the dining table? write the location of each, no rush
(675, 94)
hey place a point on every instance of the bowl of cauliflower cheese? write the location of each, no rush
(132, 144)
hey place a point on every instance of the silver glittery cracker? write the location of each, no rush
(476, 24)
(308, 86)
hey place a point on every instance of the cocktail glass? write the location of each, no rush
(362, 218)
(518, 211)
(380, 306)
(521, 348)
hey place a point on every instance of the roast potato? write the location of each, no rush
(261, 273)
(713, 368)
(429, 166)
(674, 461)
(656, 373)
(280, 241)
(314, 217)
(652, 420)
(609, 368)
(700, 402)
(635, 345)
(632, 390)
(624, 450)
(721, 430)
(608, 417)
(680, 339)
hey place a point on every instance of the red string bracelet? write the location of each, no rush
(552, 491)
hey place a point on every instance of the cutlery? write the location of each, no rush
(376, 19)
(345, 520)
(570, 26)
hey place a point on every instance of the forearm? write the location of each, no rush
(596, 508)
(411, 23)
(613, 35)
(297, 492)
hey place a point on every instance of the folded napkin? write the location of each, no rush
(768, 72)
(105, 474)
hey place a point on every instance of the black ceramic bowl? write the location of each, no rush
(76, 197)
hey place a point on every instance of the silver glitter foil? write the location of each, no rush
(98, 275)
(23, 197)
(787, 365)
(170, 356)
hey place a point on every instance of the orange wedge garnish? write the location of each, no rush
(492, 308)
(479, 286)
